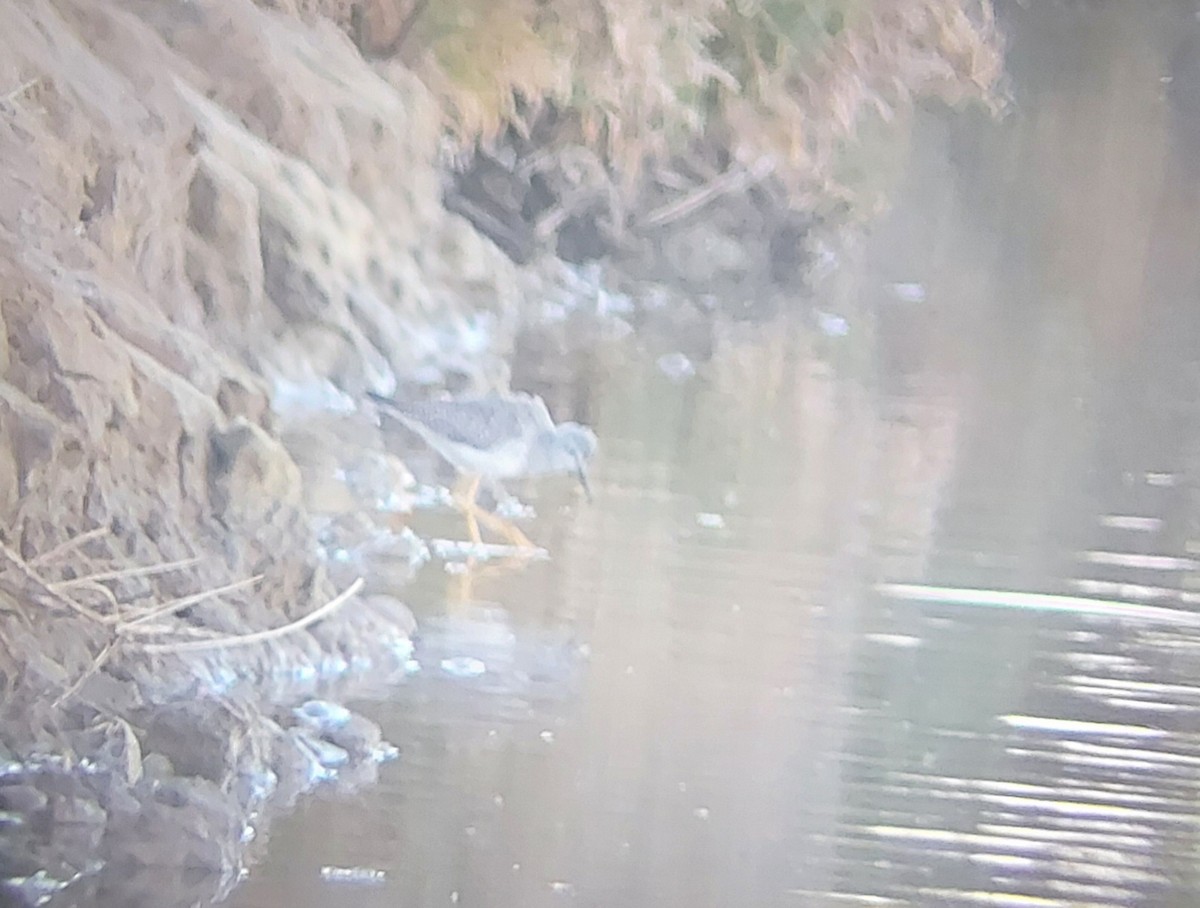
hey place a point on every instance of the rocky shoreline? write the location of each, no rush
(180, 247)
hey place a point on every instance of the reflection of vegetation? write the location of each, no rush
(641, 82)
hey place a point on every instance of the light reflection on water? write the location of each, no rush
(679, 710)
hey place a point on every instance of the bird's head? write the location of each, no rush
(569, 450)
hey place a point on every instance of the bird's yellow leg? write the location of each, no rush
(505, 528)
(461, 589)
(464, 498)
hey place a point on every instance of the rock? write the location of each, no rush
(223, 257)
(358, 736)
(321, 715)
(701, 253)
(108, 694)
(23, 799)
(197, 738)
(251, 476)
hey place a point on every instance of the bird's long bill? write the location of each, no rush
(581, 472)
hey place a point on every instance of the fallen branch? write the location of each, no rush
(732, 180)
(500, 232)
(259, 636)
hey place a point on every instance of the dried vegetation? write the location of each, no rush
(647, 112)
(137, 617)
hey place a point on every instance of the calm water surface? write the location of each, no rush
(788, 656)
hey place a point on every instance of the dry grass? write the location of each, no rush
(232, 640)
(644, 84)
(142, 622)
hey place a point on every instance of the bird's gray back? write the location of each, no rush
(484, 422)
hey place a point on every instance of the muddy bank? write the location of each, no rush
(180, 244)
(179, 241)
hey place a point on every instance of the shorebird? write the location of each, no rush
(495, 437)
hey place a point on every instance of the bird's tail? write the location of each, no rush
(390, 409)
(386, 404)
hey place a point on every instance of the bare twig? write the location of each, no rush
(547, 225)
(258, 637)
(732, 180)
(35, 587)
(73, 543)
(104, 591)
(96, 665)
(406, 26)
(135, 624)
(176, 630)
(123, 573)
